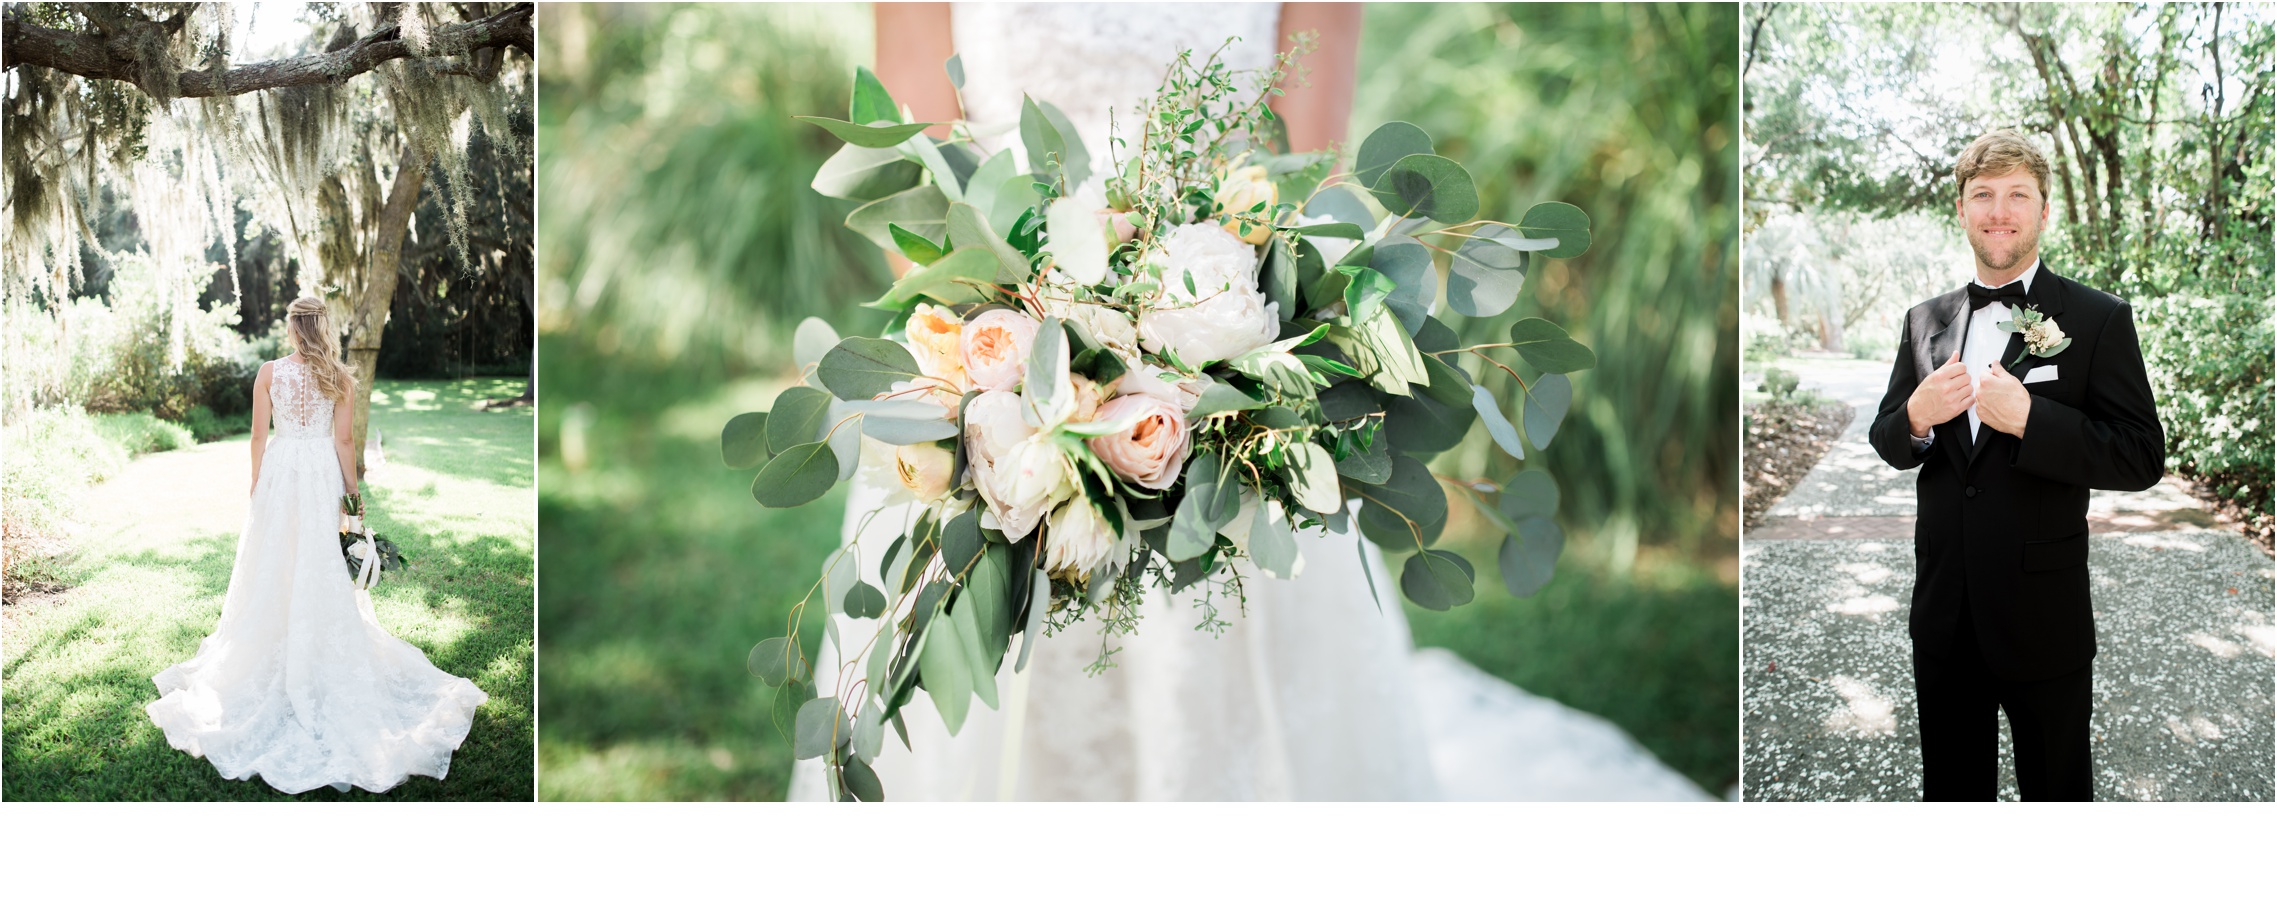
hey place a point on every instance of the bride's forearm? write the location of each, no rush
(347, 455)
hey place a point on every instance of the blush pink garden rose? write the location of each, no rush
(1152, 452)
(1020, 472)
(994, 348)
(936, 339)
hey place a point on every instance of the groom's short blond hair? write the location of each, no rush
(1998, 153)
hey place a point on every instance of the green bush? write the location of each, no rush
(137, 349)
(54, 454)
(207, 426)
(2209, 362)
(136, 433)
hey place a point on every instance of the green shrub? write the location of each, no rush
(136, 433)
(138, 349)
(206, 426)
(2209, 362)
(54, 454)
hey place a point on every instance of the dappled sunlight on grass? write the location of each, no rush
(152, 568)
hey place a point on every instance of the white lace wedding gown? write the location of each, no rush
(1316, 693)
(299, 684)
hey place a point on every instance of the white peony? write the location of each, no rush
(1020, 472)
(1225, 315)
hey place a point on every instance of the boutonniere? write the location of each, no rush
(2042, 337)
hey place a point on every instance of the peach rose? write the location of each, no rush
(1153, 451)
(1020, 473)
(995, 348)
(924, 469)
(935, 339)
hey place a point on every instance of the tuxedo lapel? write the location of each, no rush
(1951, 311)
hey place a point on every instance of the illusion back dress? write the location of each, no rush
(1307, 695)
(299, 684)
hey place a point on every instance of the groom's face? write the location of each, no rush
(2003, 215)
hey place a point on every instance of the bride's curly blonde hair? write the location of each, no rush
(309, 328)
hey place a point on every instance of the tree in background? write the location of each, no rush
(144, 100)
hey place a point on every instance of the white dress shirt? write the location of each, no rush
(1982, 345)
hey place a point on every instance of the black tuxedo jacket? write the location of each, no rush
(2002, 532)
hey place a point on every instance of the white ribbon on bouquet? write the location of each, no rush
(369, 574)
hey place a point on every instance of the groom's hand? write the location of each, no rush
(2003, 404)
(1941, 397)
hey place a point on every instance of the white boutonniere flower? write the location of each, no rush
(2042, 337)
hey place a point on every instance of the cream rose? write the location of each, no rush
(1240, 190)
(1079, 541)
(936, 340)
(924, 469)
(1224, 316)
(994, 348)
(1152, 452)
(1020, 473)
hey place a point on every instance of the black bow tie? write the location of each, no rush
(1980, 296)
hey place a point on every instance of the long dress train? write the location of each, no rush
(298, 683)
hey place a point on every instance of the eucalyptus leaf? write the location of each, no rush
(1529, 557)
(865, 601)
(1410, 495)
(1546, 404)
(1272, 545)
(1427, 186)
(860, 781)
(1218, 398)
(946, 672)
(784, 710)
(1546, 346)
(1370, 465)
(1347, 401)
(956, 68)
(1422, 424)
(1529, 494)
(843, 575)
(963, 619)
(900, 431)
(857, 173)
(923, 210)
(814, 339)
(985, 192)
(871, 103)
(801, 474)
(962, 543)
(822, 723)
(861, 368)
(940, 281)
(1335, 230)
(968, 228)
(799, 415)
(743, 442)
(1407, 263)
(1194, 528)
(1558, 220)
(1077, 244)
(776, 662)
(1450, 385)
(1343, 204)
(913, 246)
(845, 442)
(867, 136)
(1385, 146)
(1048, 390)
(1490, 410)
(1437, 579)
(1485, 273)
(1313, 478)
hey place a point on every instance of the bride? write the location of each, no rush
(299, 684)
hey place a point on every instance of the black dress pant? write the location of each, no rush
(1960, 701)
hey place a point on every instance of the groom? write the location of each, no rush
(2010, 435)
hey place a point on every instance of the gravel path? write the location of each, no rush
(2183, 677)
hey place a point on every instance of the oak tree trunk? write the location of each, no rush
(368, 319)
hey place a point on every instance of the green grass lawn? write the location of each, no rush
(149, 572)
(660, 573)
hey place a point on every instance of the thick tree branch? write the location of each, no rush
(107, 57)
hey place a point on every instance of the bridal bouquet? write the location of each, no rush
(1094, 388)
(368, 555)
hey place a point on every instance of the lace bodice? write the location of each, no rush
(298, 410)
(1088, 58)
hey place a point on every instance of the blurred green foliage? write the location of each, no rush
(681, 244)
